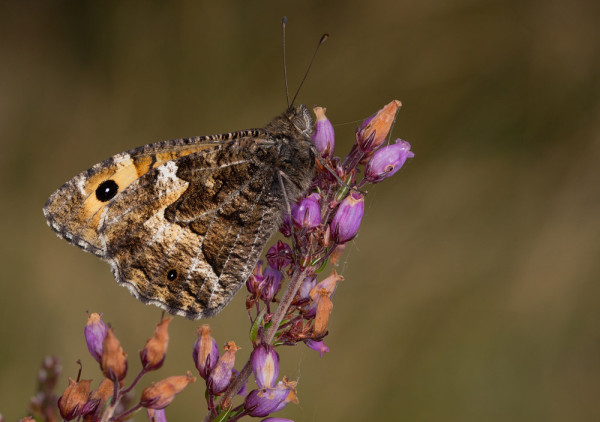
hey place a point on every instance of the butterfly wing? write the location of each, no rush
(74, 210)
(185, 234)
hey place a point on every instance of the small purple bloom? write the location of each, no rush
(347, 218)
(319, 346)
(157, 415)
(206, 351)
(271, 284)
(387, 160)
(307, 214)
(265, 365)
(95, 331)
(324, 136)
(263, 402)
(285, 227)
(220, 376)
(257, 277)
(279, 255)
(307, 285)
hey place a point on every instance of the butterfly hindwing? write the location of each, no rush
(186, 235)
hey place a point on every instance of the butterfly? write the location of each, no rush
(182, 223)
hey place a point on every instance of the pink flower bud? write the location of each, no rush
(95, 331)
(206, 351)
(374, 130)
(387, 160)
(220, 376)
(319, 346)
(265, 365)
(279, 256)
(347, 218)
(307, 214)
(324, 136)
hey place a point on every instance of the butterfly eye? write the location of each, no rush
(171, 275)
(107, 190)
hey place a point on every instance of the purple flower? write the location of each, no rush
(307, 214)
(265, 365)
(307, 285)
(346, 220)
(271, 284)
(279, 255)
(285, 227)
(387, 160)
(95, 331)
(319, 346)
(263, 402)
(256, 278)
(373, 131)
(157, 415)
(206, 351)
(324, 136)
(220, 376)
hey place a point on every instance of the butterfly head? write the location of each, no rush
(301, 119)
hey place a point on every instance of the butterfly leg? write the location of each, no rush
(280, 176)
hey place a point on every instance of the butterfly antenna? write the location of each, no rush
(321, 41)
(287, 92)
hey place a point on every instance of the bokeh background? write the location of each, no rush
(472, 292)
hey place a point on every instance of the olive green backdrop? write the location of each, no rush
(472, 291)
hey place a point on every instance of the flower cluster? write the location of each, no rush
(317, 229)
(111, 399)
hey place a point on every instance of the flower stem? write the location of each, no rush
(292, 288)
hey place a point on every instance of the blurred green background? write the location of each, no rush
(472, 291)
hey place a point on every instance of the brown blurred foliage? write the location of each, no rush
(472, 290)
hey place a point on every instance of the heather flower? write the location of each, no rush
(373, 131)
(156, 415)
(323, 136)
(307, 285)
(95, 331)
(265, 365)
(318, 346)
(307, 214)
(279, 256)
(160, 394)
(206, 351)
(321, 296)
(114, 359)
(256, 278)
(271, 284)
(154, 352)
(265, 401)
(285, 227)
(99, 397)
(387, 160)
(74, 398)
(347, 218)
(220, 376)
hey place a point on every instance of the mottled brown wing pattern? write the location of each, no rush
(74, 210)
(182, 223)
(190, 253)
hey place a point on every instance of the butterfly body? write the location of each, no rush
(182, 223)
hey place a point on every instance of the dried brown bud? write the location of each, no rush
(114, 359)
(160, 394)
(321, 295)
(154, 352)
(74, 398)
